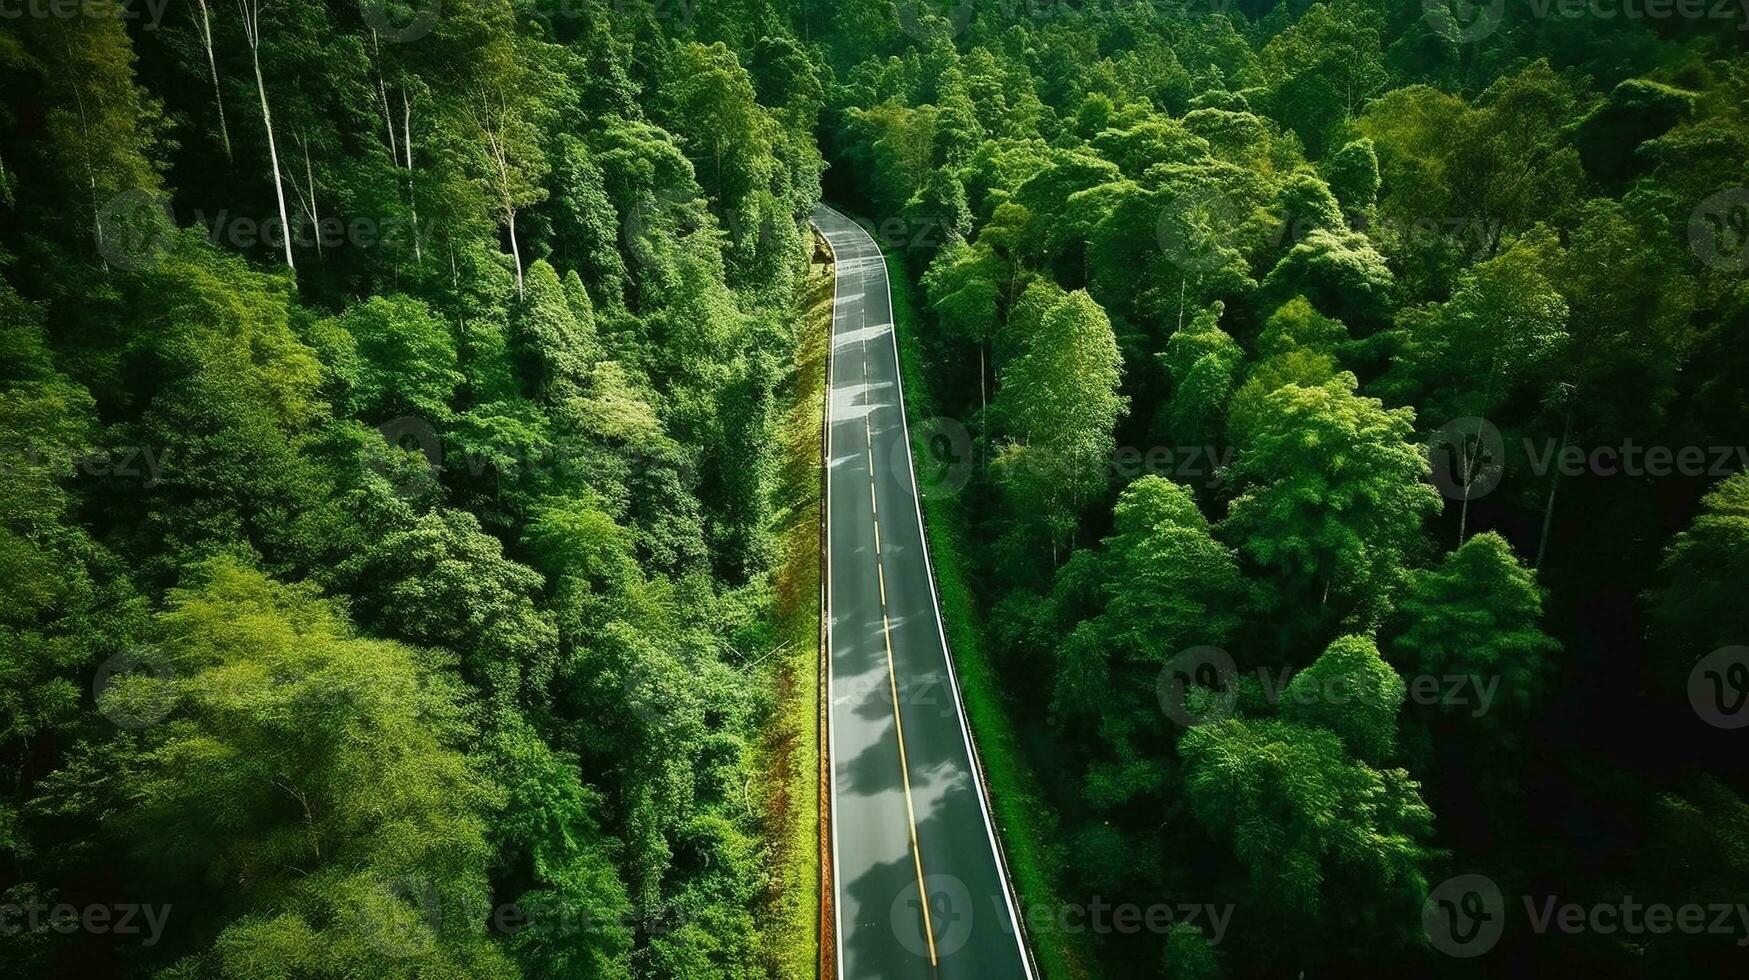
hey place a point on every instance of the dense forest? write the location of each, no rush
(1354, 394)
(365, 580)
(1353, 397)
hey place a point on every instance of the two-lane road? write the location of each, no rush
(909, 815)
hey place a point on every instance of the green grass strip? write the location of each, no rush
(790, 758)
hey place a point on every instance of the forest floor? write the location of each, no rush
(1029, 834)
(790, 762)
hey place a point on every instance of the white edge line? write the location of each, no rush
(826, 502)
(940, 628)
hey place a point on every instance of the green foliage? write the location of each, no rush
(510, 414)
(1331, 493)
(1319, 232)
(1312, 826)
(405, 359)
(1697, 607)
(1353, 173)
(457, 508)
(1479, 614)
(1190, 956)
(315, 772)
(1059, 403)
(1204, 364)
(1504, 328)
(1351, 691)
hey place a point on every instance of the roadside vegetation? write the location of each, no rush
(790, 767)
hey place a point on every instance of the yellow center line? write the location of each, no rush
(893, 683)
(905, 770)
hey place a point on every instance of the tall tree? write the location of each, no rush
(1332, 497)
(1059, 403)
(250, 13)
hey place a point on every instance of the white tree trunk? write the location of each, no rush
(383, 97)
(310, 197)
(252, 28)
(212, 64)
(412, 196)
(515, 253)
(90, 172)
(984, 404)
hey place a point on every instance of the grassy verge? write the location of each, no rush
(790, 762)
(1028, 832)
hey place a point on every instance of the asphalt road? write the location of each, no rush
(909, 815)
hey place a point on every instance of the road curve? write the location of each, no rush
(909, 814)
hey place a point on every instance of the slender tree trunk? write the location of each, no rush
(383, 96)
(984, 402)
(315, 216)
(1464, 463)
(407, 147)
(515, 252)
(252, 28)
(493, 123)
(1542, 548)
(90, 168)
(212, 64)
